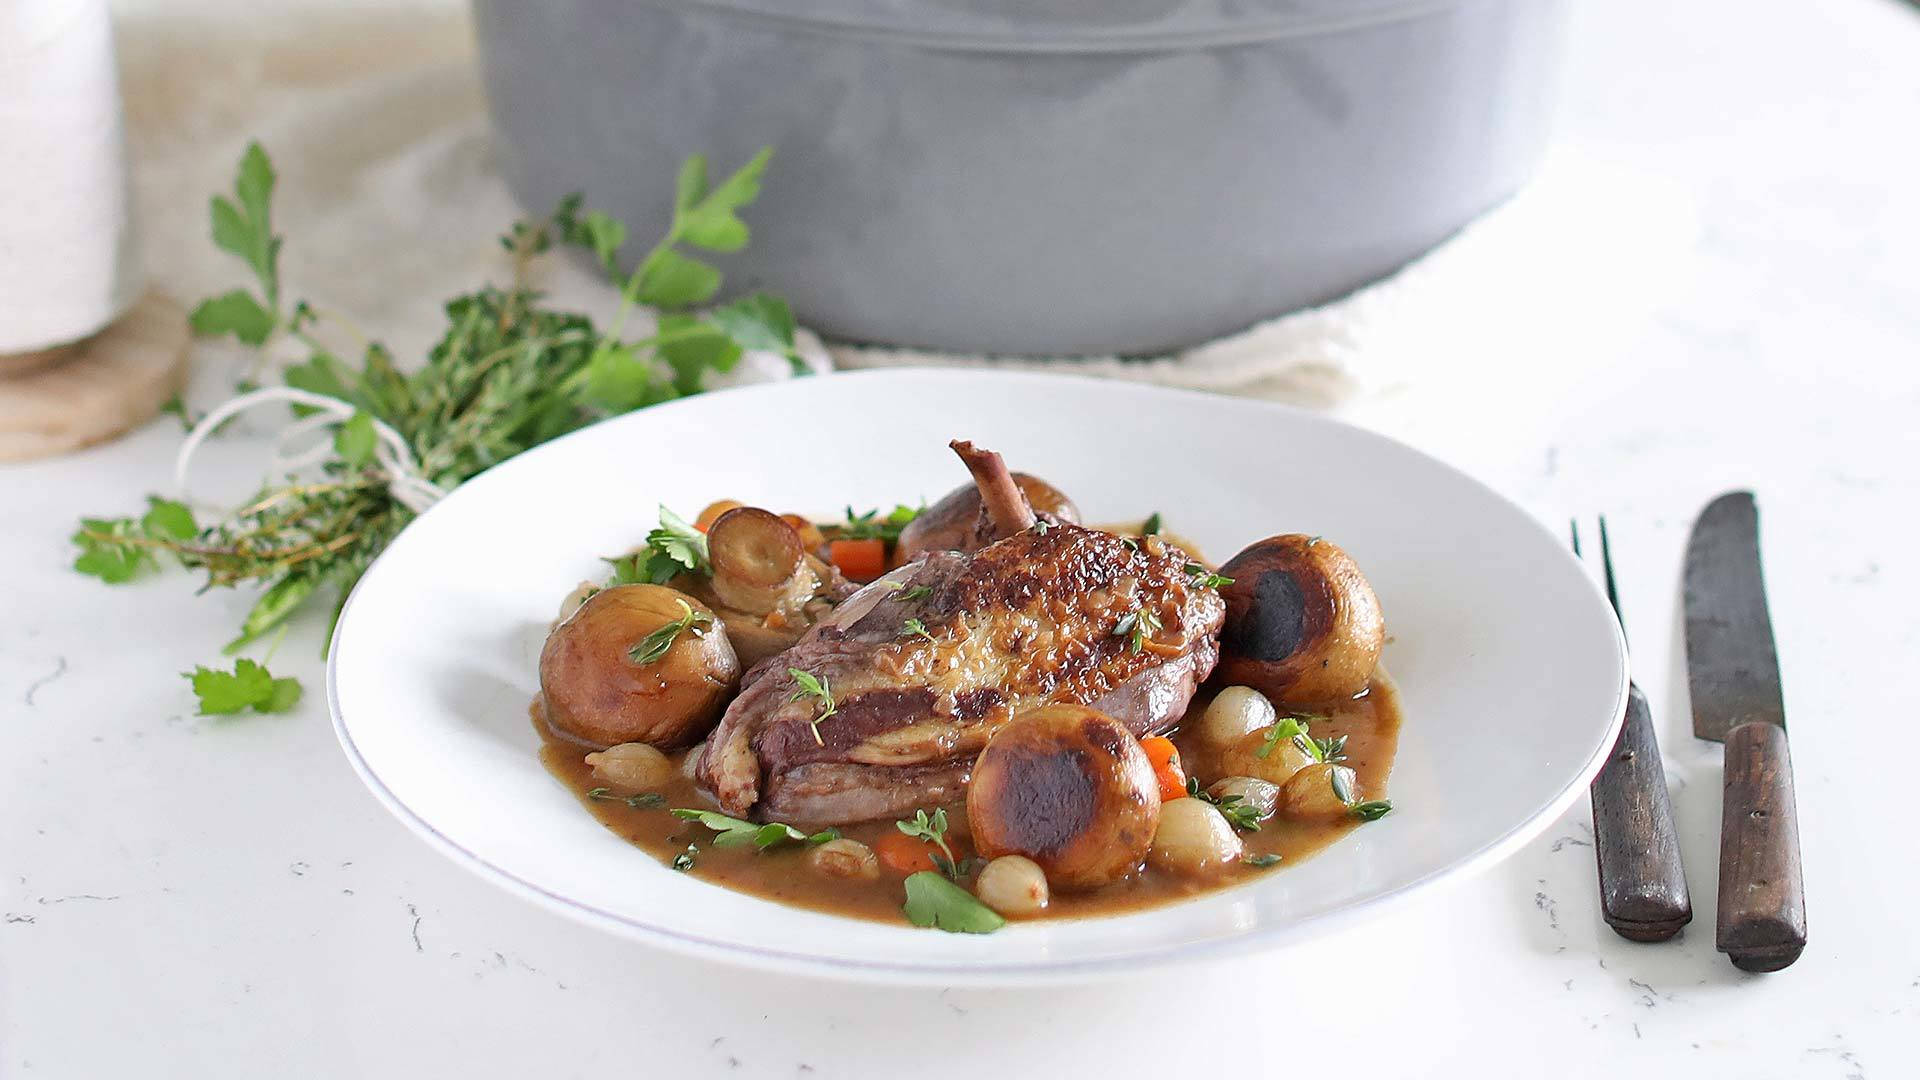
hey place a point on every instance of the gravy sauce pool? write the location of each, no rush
(1371, 724)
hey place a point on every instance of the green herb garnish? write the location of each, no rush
(1260, 860)
(1152, 526)
(644, 801)
(508, 373)
(818, 690)
(733, 832)
(1341, 778)
(1334, 749)
(1239, 813)
(1289, 727)
(915, 628)
(116, 549)
(1204, 578)
(871, 526)
(1138, 627)
(933, 900)
(655, 645)
(248, 686)
(1373, 809)
(673, 547)
(683, 862)
(934, 831)
(916, 592)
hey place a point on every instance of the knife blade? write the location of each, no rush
(1733, 677)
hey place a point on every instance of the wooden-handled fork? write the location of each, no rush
(1643, 886)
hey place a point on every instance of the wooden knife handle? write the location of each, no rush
(1643, 889)
(1763, 906)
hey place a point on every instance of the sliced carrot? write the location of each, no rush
(905, 854)
(860, 560)
(1166, 766)
(713, 511)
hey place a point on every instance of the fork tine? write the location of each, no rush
(1606, 565)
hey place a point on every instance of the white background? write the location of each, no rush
(195, 897)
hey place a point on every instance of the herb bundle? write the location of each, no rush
(508, 374)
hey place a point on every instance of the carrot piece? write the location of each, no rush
(810, 536)
(713, 511)
(860, 560)
(1166, 767)
(905, 854)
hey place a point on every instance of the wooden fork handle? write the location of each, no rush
(1763, 905)
(1643, 888)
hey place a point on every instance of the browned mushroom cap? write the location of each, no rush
(1068, 787)
(601, 686)
(757, 557)
(952, 523)
(1303, 626)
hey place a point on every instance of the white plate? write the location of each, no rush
(1511, 669)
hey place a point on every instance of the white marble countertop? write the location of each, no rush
(199, 897)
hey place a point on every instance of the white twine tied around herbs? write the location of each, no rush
(296, 448)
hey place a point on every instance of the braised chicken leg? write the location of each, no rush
(905, 681)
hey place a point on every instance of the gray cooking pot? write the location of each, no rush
(1037, 176)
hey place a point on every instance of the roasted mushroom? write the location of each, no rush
(637, 663)
(953, 523)
(1303, 626)
(759, 562)
(1068, 787)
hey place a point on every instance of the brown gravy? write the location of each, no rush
(1371, 724)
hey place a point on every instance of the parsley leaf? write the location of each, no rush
(169, 519)
(674, 547)
(355, 440)
(116, 550)
(733, 832)
(680, 542)
(762, 322)
(706, 219)
(932, 900)
(871, 526)
(248, 686)
(244, 227)
(691, 348)
(235, 312)
(1289, 727)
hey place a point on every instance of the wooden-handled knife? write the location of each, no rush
(1733, 674)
